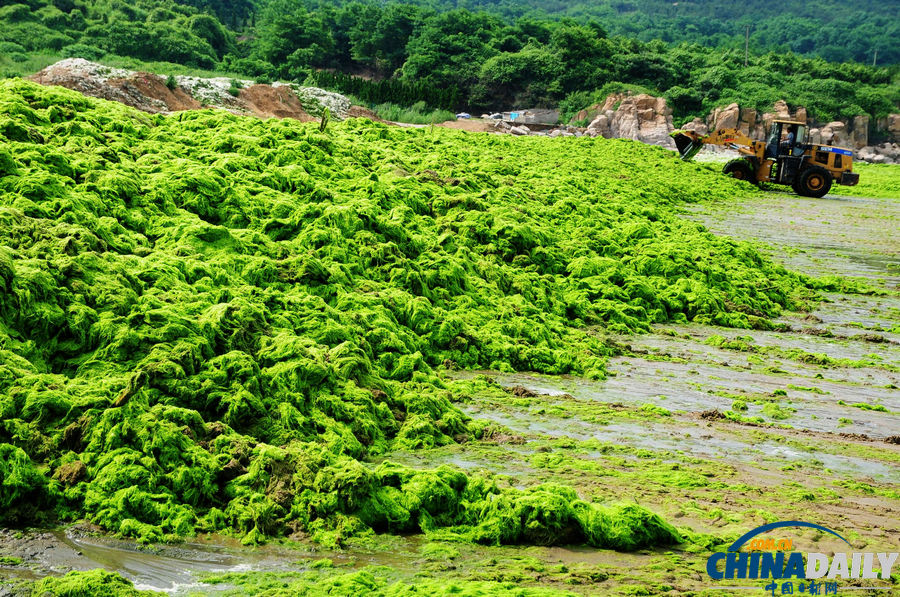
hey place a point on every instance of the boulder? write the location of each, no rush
(782, 111)
(696, 125)
(641, 118)
(893, 126)
(725, 118)
(747, 122)
(519, 130)
(865, 154)
(859, 132)
(834, 133)
(886, 153)
(890, 150)
(600, 125)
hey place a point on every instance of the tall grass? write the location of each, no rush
(388, 90)
(36, 61)
(418, 113)
(15, 66)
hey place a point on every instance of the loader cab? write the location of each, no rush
(785, 146)
(779, 142)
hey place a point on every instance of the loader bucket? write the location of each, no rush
(687, 147)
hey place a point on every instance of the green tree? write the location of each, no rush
(449, 47)
(521, 78)
(292, 39)
(384, 45)
(583, 54)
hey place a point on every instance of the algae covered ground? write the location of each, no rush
(213, 323)
(875, 180)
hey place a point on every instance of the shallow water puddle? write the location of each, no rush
(692, 438)
(850, 236)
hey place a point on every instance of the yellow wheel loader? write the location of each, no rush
(784, 158)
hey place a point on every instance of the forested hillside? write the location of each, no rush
(835, 30)
(477, 60)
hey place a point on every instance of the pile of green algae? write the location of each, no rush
(212, 322)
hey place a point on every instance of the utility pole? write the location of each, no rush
(747, 46)
(875, 57)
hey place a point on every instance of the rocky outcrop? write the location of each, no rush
(648, 119)
(641, 118)
(890, 126)
(723, 118)
(853, 134)
(885, 153)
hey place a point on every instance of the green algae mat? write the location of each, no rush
(875, 180)
(217, 323)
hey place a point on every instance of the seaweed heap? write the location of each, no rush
(210, 322)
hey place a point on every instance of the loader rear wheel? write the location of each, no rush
(813, 182)
(740, 169)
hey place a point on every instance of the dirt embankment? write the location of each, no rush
(266, 101)
(361, 112)
(155, 94)
(146, 85)
(473, 126)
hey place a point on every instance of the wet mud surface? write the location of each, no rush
(850, 236)
(718, 430)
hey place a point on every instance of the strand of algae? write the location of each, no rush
(209, 322)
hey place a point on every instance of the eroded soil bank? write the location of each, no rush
(718, 430)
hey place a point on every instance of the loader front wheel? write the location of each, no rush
(740, 169)
(813, 182)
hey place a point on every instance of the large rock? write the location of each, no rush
(747, 123)
(859, 132)
(834, 133)
(814, 136)
(640, 117)
(599, 125)
(888, 150)
(696, 125)
(890, 127)
(725, 118)
(782, 111)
